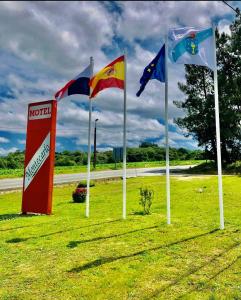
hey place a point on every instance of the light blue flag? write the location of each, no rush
(191, 46)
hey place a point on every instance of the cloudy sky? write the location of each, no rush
(45, 44)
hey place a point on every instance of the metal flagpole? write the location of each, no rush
(220, 184)
(87, 208)
(167, 140)
(124, 144)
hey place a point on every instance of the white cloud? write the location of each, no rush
(60, 43)
(4, 152)
(224, 26)
(22, 142)
(4, 140)
(53, 48)
(103, 149)
(151, 19)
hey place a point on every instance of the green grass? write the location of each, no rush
(211, 168)
(67, 256)
(12, 173)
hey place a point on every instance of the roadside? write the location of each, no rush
(209, 168)
(17, 183)
(16, 173)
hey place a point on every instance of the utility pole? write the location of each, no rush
(94, 162)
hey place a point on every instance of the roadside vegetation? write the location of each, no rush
(13, 173)
(146, 152)
(210, 168)
(105, 257)
(146, 155)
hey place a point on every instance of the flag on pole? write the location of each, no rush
(110, 76)
(78, 85)
(191, 46)
(114, 75)
(87, 207)
(194, 46)
(155, 70)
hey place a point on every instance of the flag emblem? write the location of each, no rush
(192, 44)
(110, 71)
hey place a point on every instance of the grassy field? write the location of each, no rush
(211, 169)
(12, 173)
(67, 256)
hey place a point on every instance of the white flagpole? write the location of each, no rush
(167, 139)
(87, 207)
(219, 161)
(124, 144)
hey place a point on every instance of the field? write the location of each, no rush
(67, 256)
(12, 173)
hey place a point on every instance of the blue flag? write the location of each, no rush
(155, 70)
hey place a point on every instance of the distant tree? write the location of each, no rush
(147, 144)
(3, 163)
(71, 158)
(136, 154)
(65, 161)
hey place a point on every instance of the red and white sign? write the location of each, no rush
(39, 157)
(40, 112)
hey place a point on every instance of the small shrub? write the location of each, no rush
(83, 183)
(146, 197)
(79, 195)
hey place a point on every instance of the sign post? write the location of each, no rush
(39, 157)
(117, 154)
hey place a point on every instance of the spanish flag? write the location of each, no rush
(111, 76)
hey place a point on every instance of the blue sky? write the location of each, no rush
(41, 48)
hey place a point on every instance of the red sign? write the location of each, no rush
(39, 157)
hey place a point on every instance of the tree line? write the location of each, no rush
(145, 152)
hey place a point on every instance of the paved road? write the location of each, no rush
(17, 183)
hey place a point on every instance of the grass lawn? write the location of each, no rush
(12, 173)
(211, 168)
(66, 256)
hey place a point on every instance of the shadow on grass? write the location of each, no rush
(14, 228)
(15, 216)
(19, 240)
(206, 168)
(74, 244)
(138, 213)
(19, 227)
(195, 270)
(106, 260)
(225, 268)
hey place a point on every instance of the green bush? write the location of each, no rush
(79, 195)
(83, 183)
(146, 197)
(234, 168)
(65, 161)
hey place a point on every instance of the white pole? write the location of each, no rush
(87, 208)
(219, 161)
(124, 144)
(167, 140)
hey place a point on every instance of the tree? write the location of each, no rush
(147, 144)
(199, 120)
